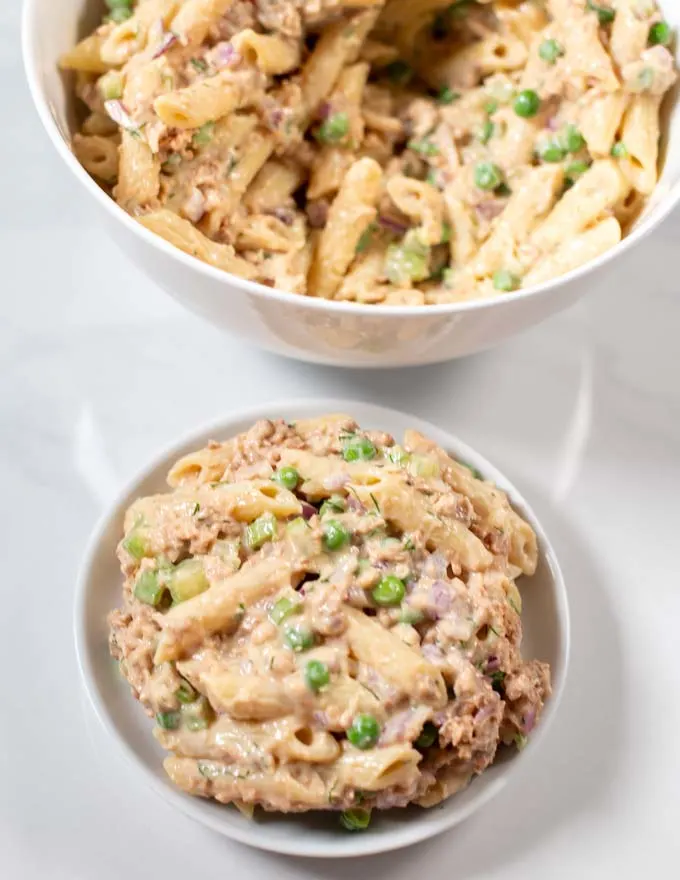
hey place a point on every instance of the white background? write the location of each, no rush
(98, 368)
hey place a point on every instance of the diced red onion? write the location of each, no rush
(308, 511)
(439, 718)
(432, 653)
(336, 481)
(321, 718)
(439, 599)
(484, 713)
(436, 564)
(489, 209)
(117, 111)
(529, 720)
(552, 123)
(392, 224)
(168, 39)
(395, 729)
(317, 214)
(285, 215)
(324, 110)
(194, 207)
(493, 664)
(354, 505)
(225, 55)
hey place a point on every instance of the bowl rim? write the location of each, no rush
(358, 845)
(260, 291)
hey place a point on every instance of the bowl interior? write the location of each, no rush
(546, 636)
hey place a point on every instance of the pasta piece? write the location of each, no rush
(496, 52)
(640, 134)
(243, 697)
(599, 189)
(271, 54)
(138, 173)
(348, 218)
(293, 740)
(183, 235)
(99, 124)
(630, 30)
(98, 155)
(194, 19)
(598, 118)
(585, 55)
(363, 282)
(186, 625)
(378, 769)
(421, 202)
(203, 101)
(132, 36)
(575, 251)
(273, 186)
(320, 476)
(395, 661)
(86, 56)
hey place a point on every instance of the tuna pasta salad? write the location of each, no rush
(406, 152)
(318, 618)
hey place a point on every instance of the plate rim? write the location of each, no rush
(223, 426)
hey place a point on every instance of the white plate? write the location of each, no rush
(546, 636)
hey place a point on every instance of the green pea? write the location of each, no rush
(358, 448)
(119, 15)
(486, 132)
(282, 609)
(447, 95)
(427, 736)
(424, 146)
(550, 151)
(203, 135)
(487, 175)
(168, 720)
(660, 34)
(119, 4)
(298, 638)
(407, 261)
(575, 169)
(333, 129)
(356, 819)
(604, 14)
(335, 535)
(399, 72)
(550, 51)
(185, 693)
(148, 589)
(316, 675)
(491, 106)
(571, 139)
(505, 280)
(364, 731)
(619, 150)
(287, 477)
(260, 531)
(527, 104)
(390, 591)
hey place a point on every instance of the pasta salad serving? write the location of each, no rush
(318, 618)
(405, 152)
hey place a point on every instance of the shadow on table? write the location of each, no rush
(572, 770)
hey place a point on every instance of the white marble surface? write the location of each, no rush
(98, 368)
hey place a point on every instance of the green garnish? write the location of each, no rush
(316, 675)
(497, 679)
(185, 693)
(550, 51)
(491, 106)
(390, 591)
(119, 15)
(505, 280)
(148, 589)
(298, 638)
(365, 238)
(427, 737)
(446, 95)
(358, 448)
(486, 132)
(575, 169)
(550, 151)
(334, 504)
(356, 819)
(199, 65)
(335, 535)
(487, 175)
(260, 531)
(399, 72)
(527, 104)
(168, 720)
(619, 150)
(288, 477)
(397, 455)
(204, 134)
(334, 129)
(407, 260)
(660, 34)
(424, 146)
(604, 14)
(446, 233)
(364, 732)
(197, 715)
(282, 609)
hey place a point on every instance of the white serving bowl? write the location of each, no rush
(546, 636)
(343, 334)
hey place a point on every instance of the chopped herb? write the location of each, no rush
(428, 736)
(365, 238)
(199, 65)
(520, 741)
(491, 106)
(494, 631)
(475, 473)
(512, 604)
(497, 679)
(424, 147)
(446, 233)
(173, 160)
(195, 509)
(356, 819)
(185, 693)
(375, 502)
(399, 72)
(168, 720)
(408, 543)
(204, 134)
(446, 95)
(486, 132)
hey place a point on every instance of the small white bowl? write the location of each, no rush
(546, 636)
(343, 334)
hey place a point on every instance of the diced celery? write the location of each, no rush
(148, 589)
(260, 531)
(187, 580)
(407, 261)
(424, 466)
(197, 715)
(228, 552)
(135, 544)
